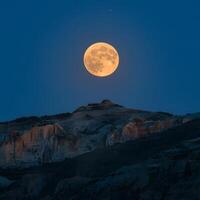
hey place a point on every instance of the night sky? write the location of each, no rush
(42, 45)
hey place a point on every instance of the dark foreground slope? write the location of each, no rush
(160, 166)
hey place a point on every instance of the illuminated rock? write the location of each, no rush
(37, 140)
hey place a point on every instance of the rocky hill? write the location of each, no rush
(101, 151)
(37, 140)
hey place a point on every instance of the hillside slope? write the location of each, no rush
(38, 140)
(101, 151)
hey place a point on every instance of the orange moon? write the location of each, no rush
(101, 59)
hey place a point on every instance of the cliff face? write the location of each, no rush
(41, 140)
(38, 145)
(158, 166)
(131, 154)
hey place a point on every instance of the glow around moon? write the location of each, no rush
(101, 59)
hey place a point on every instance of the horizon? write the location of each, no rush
(70, 112)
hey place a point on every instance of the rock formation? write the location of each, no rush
(38, 140)
(105, 151)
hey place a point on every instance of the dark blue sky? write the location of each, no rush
(42, 45)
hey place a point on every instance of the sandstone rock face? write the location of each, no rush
(33, 141)
(40, 144)
(141, 128)
(162, 167)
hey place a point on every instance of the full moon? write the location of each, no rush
(101, 59)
